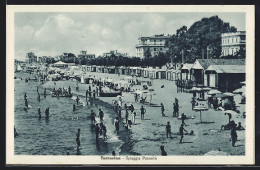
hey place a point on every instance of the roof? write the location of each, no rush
(187, 66)
(227, 68)
(205, 63)
(60, 63)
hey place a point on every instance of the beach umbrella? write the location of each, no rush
(200, 108)
(221, 95)
(206, 89)
(196, 89)
(214, 92)
(229, 94)
(240, 90)
(216, 153)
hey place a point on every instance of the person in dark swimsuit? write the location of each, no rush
(78, 139)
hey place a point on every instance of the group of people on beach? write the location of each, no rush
(61, 92)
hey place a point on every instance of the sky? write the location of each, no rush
(51, 34)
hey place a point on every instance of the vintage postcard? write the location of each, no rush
(140, 85)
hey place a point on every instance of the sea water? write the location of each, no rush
(57, 135)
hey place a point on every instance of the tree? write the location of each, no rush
(202, 35)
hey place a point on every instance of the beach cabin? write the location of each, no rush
(225, 78)
(93, 68)
(152, 73)
(128, 71)
(121, 70)
(160, 74)
(111, 69)
(186, 71)
(88, 68)
(169, 75)
(146, 72)
(200, 65)
(133, 71)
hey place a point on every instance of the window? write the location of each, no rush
(160, 49)
(154, 49)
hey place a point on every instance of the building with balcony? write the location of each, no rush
(233, 42)
(154, 44)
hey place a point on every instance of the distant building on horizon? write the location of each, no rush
(114, 52)
(233, 42)
(84, 55)
(31, 58)
(154, 44)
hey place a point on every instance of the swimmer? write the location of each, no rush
(78, 139)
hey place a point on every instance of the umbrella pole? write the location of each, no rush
(200, 117)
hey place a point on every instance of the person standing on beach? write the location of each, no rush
(86, 95)
(174, 110)
(133, 114)
(104, 129)
(47, 113)
(78, 139)
(94, 94)
(163, 153)
(74, 107)
(89, 93)
(101, 115)
(97, 130)
(142, 112)
(132, 108)
(126, 116)
(193, 102)
(162, 109)
(44, 93)
(120, 112)
(93, 115)
(69, 90)
(233, 136)
(183, 117)
(26, 103)
(37, 90)
(117, 125)
(25, 96)
(177, 107)
(168, 129)
(77, 100)
(39, 113)
(181, 132)
(39, 97)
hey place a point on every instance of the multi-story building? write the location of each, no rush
(154, 44)
(31, 58)
(83, 55)
(233, 42)
(114, 52)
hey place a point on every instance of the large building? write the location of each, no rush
(31, 58)
(84, 55)
(154, 44)
(233, 42)
(114, 52)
